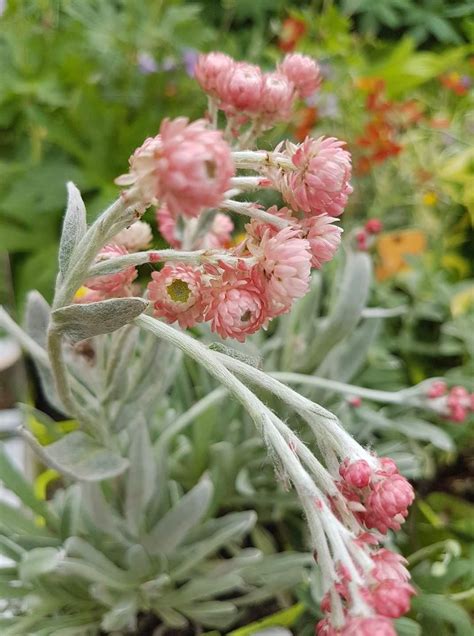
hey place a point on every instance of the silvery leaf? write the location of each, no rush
(173, 528)
(74, 227)
(141, 476)
(39, 561)
(79, 456)
(79, 322)
(37, 316)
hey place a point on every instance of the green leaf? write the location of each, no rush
(38, 562)
(79, 322)
(436, 606)
(419, 429)
(37, 316)
(173, 528)
(81, 457)
(407, 627)
(13, 479)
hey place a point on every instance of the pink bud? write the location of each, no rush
(361, 239)
(437, 389)
(373, 226)
(242, 90)
(277, 97)
(356, 474)
(211, 70)
(392, 598)
(303, 72)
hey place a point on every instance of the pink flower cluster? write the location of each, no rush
(189, 171)
(379, 499)
(245, 93)
(454, 404)
(256, 281)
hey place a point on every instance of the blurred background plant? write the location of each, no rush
(83, 82)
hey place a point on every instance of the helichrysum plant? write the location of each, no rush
(118, 542)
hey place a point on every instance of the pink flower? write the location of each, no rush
(176, 294)
(303, 72)
(320, 182)
(134, 238)
(220, 233)
(187, 166)
(236, 302)
(324, 238)
(256, 229)
(392, 598)
(116, 284)
(166, 223)
(285, 260)
(277, 97)
(356, 474)
(372, 626)
(389, 565)
(388, 503)
(212, 69)
(241, 90)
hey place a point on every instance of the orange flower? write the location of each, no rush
(305, 120)
(291, 33)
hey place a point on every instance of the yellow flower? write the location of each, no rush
(430, 198)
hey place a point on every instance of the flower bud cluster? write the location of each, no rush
(382, 496)
(378, 498)
(454, 404)
(245, 93)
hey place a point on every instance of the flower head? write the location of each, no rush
(320, 181)
(219, 234)
(389, 566)
(303, 72)
(277, 97)
(134, 238)
(285, 261)
(241, 90)
(388, 503)
(324, 238)
(176, 294)
(212, 69)
(391, 598)
(116, 284)
(236, 304)
(187, 166)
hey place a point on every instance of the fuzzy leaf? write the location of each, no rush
(79, 322)
(37, 316)
(39, 561)
(81, 457)
(173, 528)
(141, 476)
(74, 227)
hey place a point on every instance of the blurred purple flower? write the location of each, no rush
(3, 6)
(326, 103)
(190, 57)
(466, 81)
(146, 63)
